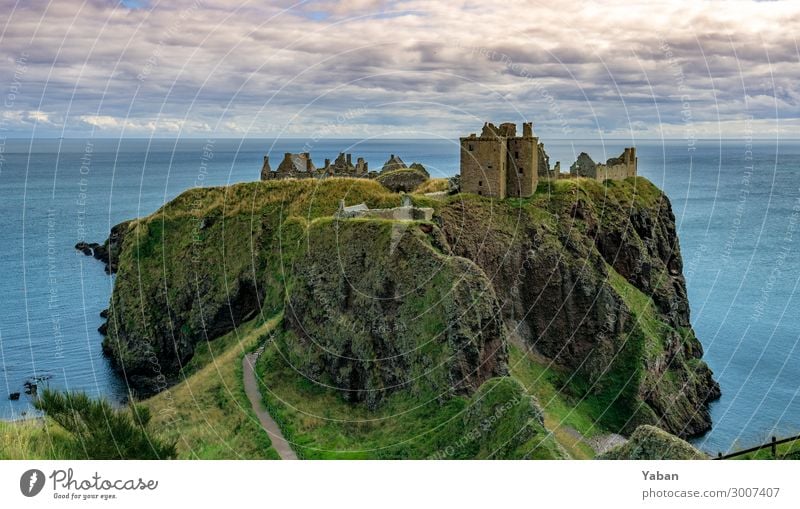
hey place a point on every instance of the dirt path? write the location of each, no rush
(279, 443)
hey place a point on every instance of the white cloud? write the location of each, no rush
(244, 68)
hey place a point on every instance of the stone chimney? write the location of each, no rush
(348, 160)
(527, 129)
(508, 130)
(265, 169)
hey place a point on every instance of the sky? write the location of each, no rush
(416, 68)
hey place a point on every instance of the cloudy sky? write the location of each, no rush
(356, 68)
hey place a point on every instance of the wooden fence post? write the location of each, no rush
(774, 448)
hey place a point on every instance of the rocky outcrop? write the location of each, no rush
(406, 180)
(651, 443)
(589, 274)
(109, 251)
(375, 308)
(591, 278)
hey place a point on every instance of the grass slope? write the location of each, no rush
(498, 421)
(208, 413)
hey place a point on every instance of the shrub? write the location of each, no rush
(96, 430)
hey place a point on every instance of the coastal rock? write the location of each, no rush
(84, 248)
(594, 282)
(14, 396)
(109, 251)
(588, 274)
(651, 443)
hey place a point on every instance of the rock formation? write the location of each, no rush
(588, 274)
(651, 443)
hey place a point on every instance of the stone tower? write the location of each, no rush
(498, 163)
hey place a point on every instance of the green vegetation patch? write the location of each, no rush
(499, 421)
(208, 414)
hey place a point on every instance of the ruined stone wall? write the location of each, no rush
(615, 172)
(483, 166)
(616, 168)
(522, 174)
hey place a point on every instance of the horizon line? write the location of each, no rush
(368, 139)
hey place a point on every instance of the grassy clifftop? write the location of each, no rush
(396, 335)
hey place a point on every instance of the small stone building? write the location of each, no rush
(405, 212)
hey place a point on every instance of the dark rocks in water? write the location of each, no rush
(84, 248)
(104, 313)
(31, 388)
(108, 252)
(14, 396)
(100, 253)
(103, 329)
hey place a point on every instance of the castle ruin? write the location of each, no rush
(301, 166)
(616, 168)
(500, 164)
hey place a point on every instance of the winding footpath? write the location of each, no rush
(279, 442)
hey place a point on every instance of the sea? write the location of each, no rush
(736, 202)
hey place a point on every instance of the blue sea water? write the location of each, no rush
(736, 203)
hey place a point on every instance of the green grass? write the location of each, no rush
(434, 185)
(208, 413)
(787, 451)
(323, 426)
(541, 379)
(32, 439)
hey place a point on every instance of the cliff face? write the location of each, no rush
(375, 307)
(588, 274)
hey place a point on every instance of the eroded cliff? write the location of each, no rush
(588, 275)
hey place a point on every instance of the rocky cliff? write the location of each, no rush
(588, 274)
(375, 308)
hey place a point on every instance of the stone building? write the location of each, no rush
(499, 163)
(407, 211)
(301, 166)
(292, 166)
(393, 163)
(616, 168)
(343, 166)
